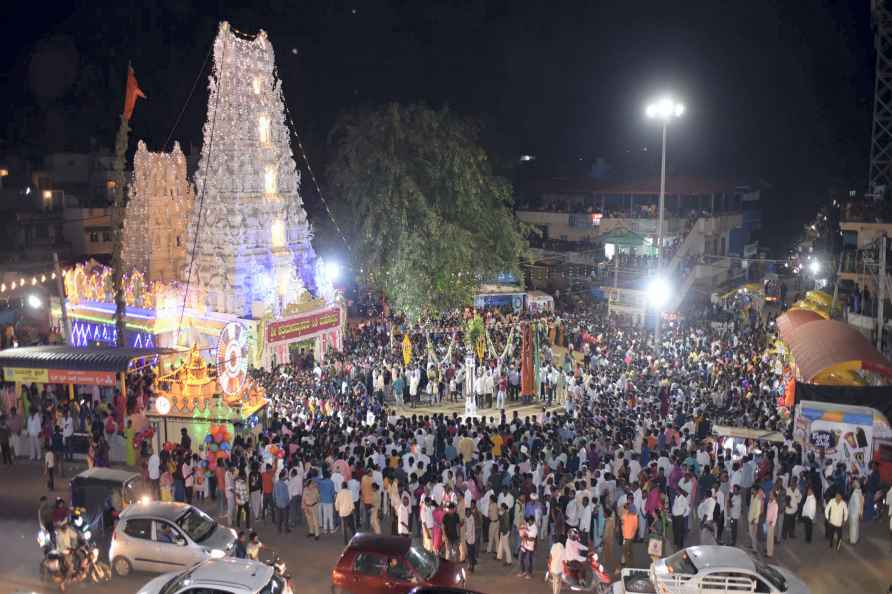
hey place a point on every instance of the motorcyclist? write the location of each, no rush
(66, 543)
(575, 558)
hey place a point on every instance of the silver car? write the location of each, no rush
(717, 569)
(164, 536)
(223, 576)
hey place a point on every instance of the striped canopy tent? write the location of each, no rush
(831, 352)
(788, 323)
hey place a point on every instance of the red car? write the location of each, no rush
(375, 564)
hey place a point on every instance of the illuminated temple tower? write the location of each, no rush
(253, 251)
(160, 200)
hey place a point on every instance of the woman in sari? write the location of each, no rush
(437, 534)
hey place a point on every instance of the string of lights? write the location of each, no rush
(303, 154)
(188, 98)
(201, 201)
(23, 282)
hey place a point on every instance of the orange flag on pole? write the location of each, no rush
(133, 93)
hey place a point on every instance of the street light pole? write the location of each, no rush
(660, 231)
(664, 109)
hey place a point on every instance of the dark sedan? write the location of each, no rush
(375, 564)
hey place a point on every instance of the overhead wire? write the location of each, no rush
(202, 195)
(303, 154)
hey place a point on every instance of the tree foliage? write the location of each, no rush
(428, 218)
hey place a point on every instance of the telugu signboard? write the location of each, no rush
(303, 326)
(24, 375)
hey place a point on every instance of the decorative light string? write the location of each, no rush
(23, 282)
(204, 184)
(303, 154)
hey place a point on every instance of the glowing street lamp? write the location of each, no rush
(658, 291)
(664, 110)
(814, 267)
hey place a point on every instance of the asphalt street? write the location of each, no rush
(865, 568)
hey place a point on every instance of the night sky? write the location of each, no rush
(778, 93)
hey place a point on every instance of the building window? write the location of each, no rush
(106, 236)
(178, 241)
(94, 236)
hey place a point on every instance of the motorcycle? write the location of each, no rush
(80, 565)
(279, 567)
(577, 579)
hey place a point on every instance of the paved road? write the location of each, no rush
(863, 569)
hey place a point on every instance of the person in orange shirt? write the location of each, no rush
(367, 495)
(630, 528)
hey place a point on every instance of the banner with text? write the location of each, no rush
(25, 375)
(303, 326)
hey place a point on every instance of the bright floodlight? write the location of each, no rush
(665, 109)
(814, 266)
(332, 271)
(658, 292)
(34, 301)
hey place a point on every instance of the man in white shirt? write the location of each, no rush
(680, 512)
(345, 507)
(809, 508)
(836, 514)
(67, 433)
(154, 468)
(34, 425)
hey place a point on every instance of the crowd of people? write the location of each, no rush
(611, 445)
(614, 447)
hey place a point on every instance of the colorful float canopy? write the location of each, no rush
(827, 351)
(788, 323)
(811, 306)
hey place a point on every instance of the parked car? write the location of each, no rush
(230, 576)
(166, 536)
(375, 564)
(710, 570)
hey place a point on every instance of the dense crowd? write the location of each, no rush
(617, 448)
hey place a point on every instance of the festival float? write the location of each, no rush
(229, 249)
(207, 399)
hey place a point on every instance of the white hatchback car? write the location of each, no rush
(223, 576)
(166, 536)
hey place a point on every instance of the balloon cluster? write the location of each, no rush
(146, 434)
(218, 446)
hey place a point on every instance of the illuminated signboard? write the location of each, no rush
(303, 326)
(84, 333)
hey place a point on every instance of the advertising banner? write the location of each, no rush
(839, 437)
(22, 375)
(303, 326)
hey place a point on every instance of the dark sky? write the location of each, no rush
(776, 91)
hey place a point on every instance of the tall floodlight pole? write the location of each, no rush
(664, 110)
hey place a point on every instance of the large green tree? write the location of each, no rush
(427, 217)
